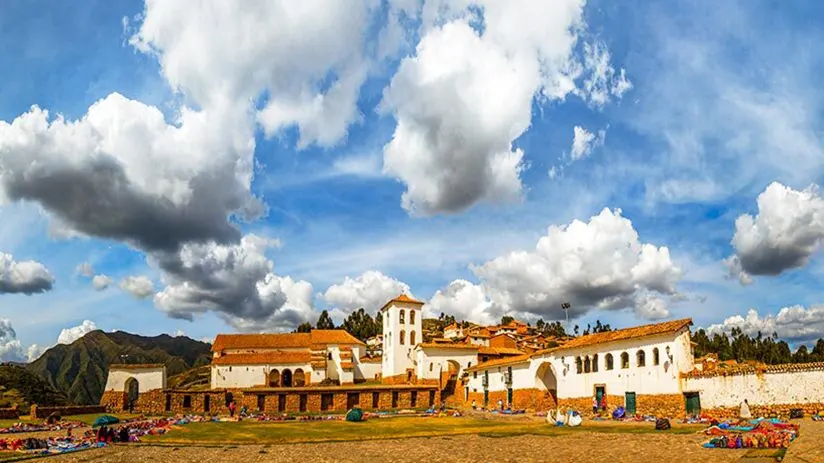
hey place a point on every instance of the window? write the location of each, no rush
(609, 362)
(394, 399)
(413, 400)
(207, 402)
(624, 360)
(412, 317)
(402, 317)
(299, 378)
(484, 359)
(261, 402)
(326, 401)
(587, 364)
(403, 335)
(411, 335)
(475, 374)
(376, 399)
(578, 365)
(595, 363)
(641, 358)
(187, 401)
(302, 403)
(329, 356)
(655, 357)
(274, 378)
(468, 364)
(230, 369)
(430, 366)
(281, 402)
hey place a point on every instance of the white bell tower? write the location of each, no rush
(402, 331)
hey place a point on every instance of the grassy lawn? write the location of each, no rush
(88, 419)
(250, 432)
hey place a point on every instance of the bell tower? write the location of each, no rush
(402, 331)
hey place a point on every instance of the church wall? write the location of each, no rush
(433, 361)
(767, 389)
(367, 371)
(242, 376)
(147, 378)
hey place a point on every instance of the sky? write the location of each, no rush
(203, 167)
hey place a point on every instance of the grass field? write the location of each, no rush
(250, 432)
(88, 419)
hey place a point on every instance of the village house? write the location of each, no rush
(648, 369)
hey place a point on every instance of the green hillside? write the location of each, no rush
(19, 387)
(80, 369)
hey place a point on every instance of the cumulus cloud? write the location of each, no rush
(72, 334)
(34, 352)
(467, 92)
(10, 348)
(794, 324)
(237, 281)
(24, 277)
(206, 51)
(786, 232)
(139, 287)
(583, 142)
(101, 282)
(464, 300)
(600, 264)
(370, 291)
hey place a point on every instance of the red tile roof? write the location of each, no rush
(743, 369)
(447, 346)
(483, 350)
(347, 365)
(135, 366)
(626, 333)
(263, 358)
(403, 298)
(370, 360)
(500, 362)
(315, 340)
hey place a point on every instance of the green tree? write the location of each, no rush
(304, 327)
(325, 321)
(360, 325)
(506, 320)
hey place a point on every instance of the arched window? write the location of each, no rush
(608, 361)
(656, 359)
(286, 378)
(595, 363)
(299, 379)
(412, 317)
(402, 318)
(641, 358)
(274, 378)
(412, 333)
(587, 364)
(624, 360)
(578, 365)
(403, 335)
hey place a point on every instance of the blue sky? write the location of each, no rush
(716, 102)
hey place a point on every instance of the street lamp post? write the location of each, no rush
(566, 306)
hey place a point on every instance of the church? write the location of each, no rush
(648, 370)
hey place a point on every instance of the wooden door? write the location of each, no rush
(629, 403)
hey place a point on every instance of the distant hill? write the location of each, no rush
(80, 369)
(20, 387)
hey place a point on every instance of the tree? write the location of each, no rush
(360, 325)
(325, 321)
(304, 327)
(506, 320)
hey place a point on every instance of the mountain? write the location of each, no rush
(20, 387)
(80, 369)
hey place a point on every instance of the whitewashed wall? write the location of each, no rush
(367, 371)
(769, 388)
(147, 378)
(431, 361)
(398, 357)
(241, 376)
(522, 378)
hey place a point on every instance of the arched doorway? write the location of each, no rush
(299, 379)
(546, 380)
(286, 378)
(274, 378)
(449, 380)
(132, 393)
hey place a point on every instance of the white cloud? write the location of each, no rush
(70, 335)
(85, 269)
(235, 51)
(786, 232)
(465, 301)
(465, 97)
(34, 352)
(651, 307)
(139, 287)
(101, 282)
(793, 324)
(10, 348)
(178, 333)
(370, 291)
(584, 142)
(596, 265)
(236, 281)
(24, 277)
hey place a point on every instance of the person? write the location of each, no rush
(744, 413)
(232, 409)
(594, 405)
(604, 402)
(474, 407)
(500, 404)
(243, 410)
(124, 434)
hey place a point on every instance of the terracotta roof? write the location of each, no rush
(440, 341)
(365, 359)
(347, 365)
(479, 334)
(263, 358)
(744, 369)
(626, 333)
(318, 364)
(403, 298)
(346, 355)
(500, 362)
(451, 326)
(316, 339)
(483, 350)
(446, 346)
(135, 366)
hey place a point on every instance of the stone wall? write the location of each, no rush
(397, 379)
(44, 412)
(765, 411)
(11, 413)
(659, 405)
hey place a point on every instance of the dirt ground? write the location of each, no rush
(580, 447)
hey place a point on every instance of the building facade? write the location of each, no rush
(402, 331)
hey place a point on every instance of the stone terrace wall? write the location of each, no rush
(765, 411)
(11, 413)
(44, 412)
